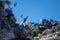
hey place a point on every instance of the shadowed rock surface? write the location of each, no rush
(9, 30)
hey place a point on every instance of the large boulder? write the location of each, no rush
(47, 31)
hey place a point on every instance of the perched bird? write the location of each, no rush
(15, 4)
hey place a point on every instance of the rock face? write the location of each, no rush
(6, 34)
(45, 23)
(8, 27)
(6, 23)
(54, 36)
(47, 31)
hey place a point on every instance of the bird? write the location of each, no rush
(25, 19)
(15, 4)
(21, 16)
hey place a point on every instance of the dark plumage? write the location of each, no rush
(21, 16)
(25, 19)
(15, 4)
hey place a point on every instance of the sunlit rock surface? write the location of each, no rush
(54, 36)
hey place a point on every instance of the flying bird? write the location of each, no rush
(15, 4)
(21, 16)
(25, 19)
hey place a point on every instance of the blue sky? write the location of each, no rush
(36, 9)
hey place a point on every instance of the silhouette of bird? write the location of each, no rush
(24, 20)
(21, 16)
(15, 4)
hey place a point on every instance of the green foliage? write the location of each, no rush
(51, 20)
(57, 27)
(35, 30)
(40, 35)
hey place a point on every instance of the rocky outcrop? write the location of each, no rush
(53, 36)
(6, 34)
(9, 30)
